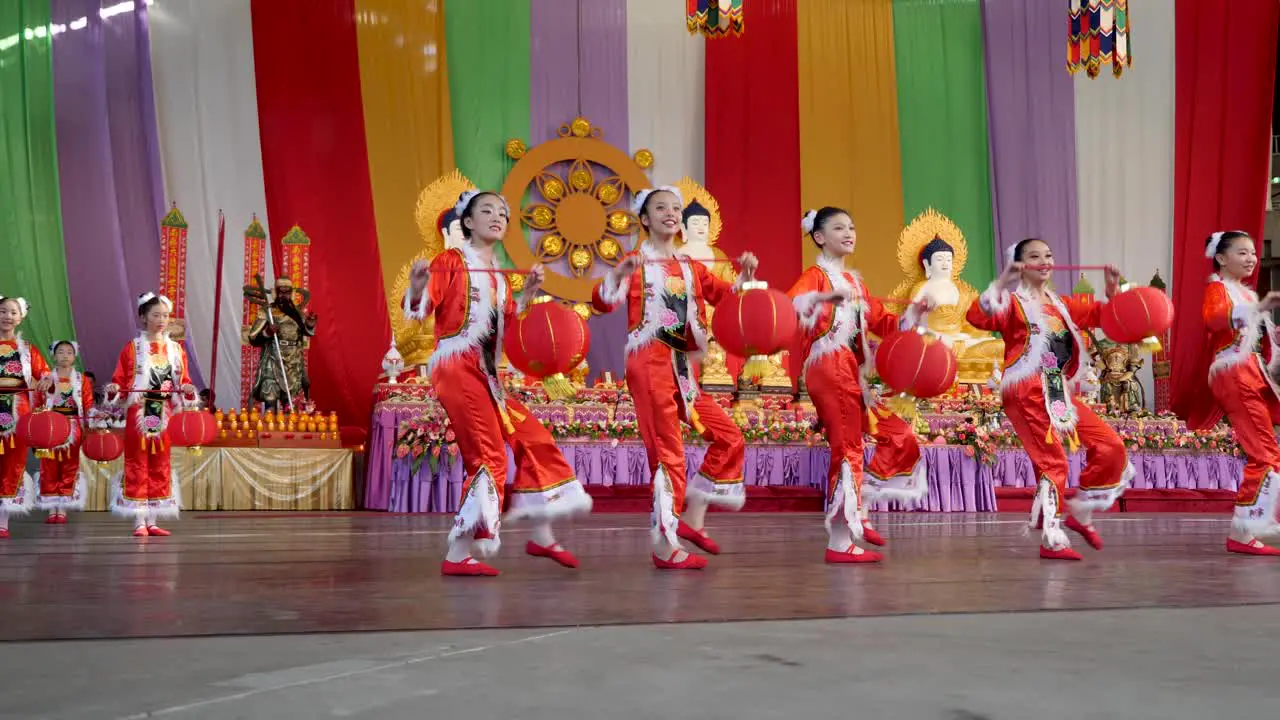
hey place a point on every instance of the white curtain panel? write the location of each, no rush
(207, 109)
(1124, 158)
(665, 71)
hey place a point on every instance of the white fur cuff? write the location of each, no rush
(995, 300)
(807, 306)
(1244, 316)
(612, 292)
(418, 311)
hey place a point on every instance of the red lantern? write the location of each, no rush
(756, 323)
(192, 428)
(101, 445)
(917, 364)
(547, 343)
(1137, 314)
(45, 429)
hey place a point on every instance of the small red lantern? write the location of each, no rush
(547, 343)
(756, 323)
(45, 429)
(1137, 314)
(101, 445)
(192, 428)
(915, 363)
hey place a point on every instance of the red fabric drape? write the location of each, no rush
(753, 140)
(317, 176)
(1226, 52)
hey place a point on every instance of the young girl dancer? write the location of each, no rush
(472, 304)
(62, 485)
(1044, 362)
(836, 314)
(153, 377)
(1244, 358)
(22, 372)
(666, 296)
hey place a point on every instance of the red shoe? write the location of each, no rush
(1065, 553)
(1253, 547)
(870, 535)
(1087, 532)
(846, 556)
(4, 534)
(140, 532)
(51, 520)
(469, 567)
(697, 537)
(62, 519)
(562, 556)
(158, 531)
(692, 562)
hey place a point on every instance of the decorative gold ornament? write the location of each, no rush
(644, 158)
(579, 213)
(583, 310)
(516, 148)
(516, 280)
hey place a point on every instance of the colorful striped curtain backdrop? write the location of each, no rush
(334, 114)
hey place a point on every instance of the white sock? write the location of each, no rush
(839, 539)
(695, 515)
(459, 550)
(542, 535)
(4, 518)
(151, 518)
(140, 519)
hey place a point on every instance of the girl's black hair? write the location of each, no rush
(145, 307)
(1022, 246)
(471, 206)
(58, 345)
(1228, 239)
(823, 216)
(644, 209)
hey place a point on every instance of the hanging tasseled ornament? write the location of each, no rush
(1097, 35)
(714, 18)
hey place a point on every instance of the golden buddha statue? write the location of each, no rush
(932, 252)
(440, 229)
(699, 230)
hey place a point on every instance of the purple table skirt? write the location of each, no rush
(957, 481)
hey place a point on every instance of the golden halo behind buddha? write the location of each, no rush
(691, 191)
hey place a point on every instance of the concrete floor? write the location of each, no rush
(1201, 664)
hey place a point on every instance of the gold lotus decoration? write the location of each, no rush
(576, 189)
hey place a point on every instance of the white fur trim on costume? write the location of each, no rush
(1250, 324)
(166, 508)
(843, 505)
(995, 300)
(806, 222)
(728, 495)
(480, 509)
(142, 370)
(564, 501)
(481, 288)
(655, 285)
(468, 195)
(613, 291)
(1259, 519)
(1086, 502)
(846, 318)
(1044, 510)
(62, 502)
(1028, 366)
(906, 489)
(637, 203)
(418, 311)
(808, 307)
(22, 502)
(663, 524)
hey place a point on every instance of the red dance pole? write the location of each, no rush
(217, 308)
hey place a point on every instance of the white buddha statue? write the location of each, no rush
(937, 258)
(695, 230)
(450, 227)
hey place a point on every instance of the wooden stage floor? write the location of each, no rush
(245, 573)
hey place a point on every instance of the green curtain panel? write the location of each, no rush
(942, 120)
(34, 265)
(488, 46)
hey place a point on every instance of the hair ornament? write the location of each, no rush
(23, 307)
(468, 195)
(637, 203)
(806, 222)
(53, 346)
(145, 298)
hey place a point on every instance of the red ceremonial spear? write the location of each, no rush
(217, 309)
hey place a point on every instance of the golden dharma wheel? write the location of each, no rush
(552, 245)
(609, 249)
(580, 259)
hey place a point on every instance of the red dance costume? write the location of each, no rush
(155, 371)
(62, 485)
(1245, 359)
(471, 310)
(1044, 365)
(21, 367)
(666, 313)
(838, 359)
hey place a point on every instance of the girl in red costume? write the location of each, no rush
(1240, 374)
(1044, 364)
(62, 485)
(666, 295)
(152, 380)
(472, 305)
(23, 371)
(836, 315)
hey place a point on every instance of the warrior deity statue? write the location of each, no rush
(281, 331)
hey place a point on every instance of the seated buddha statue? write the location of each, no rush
(935, 273)
(695, 232)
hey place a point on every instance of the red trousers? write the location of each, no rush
(59, 474)
(651, 378)
(1106, 460)
(544, 484)
(147, 474)
(13, 467)
(1252, 408)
